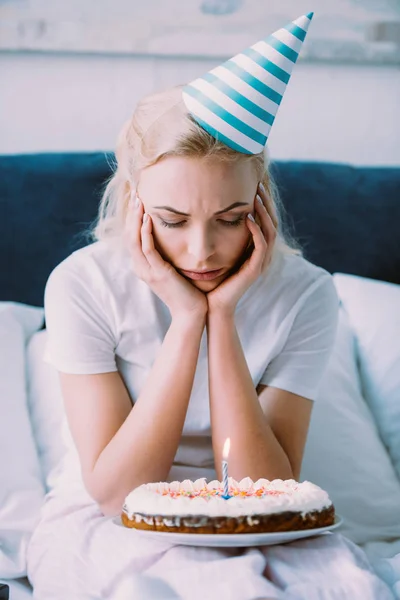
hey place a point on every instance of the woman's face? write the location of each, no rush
(200, 239)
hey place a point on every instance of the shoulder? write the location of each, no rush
(295, 282)
(97, 267)
(310, 292)
(85, 288)
(300, 274)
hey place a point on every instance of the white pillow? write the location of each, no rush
(46, 409)
(21, 486)
(344, 453)
(374, 313)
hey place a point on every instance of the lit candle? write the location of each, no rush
(225, 454)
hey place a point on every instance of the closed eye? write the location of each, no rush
(235, 223)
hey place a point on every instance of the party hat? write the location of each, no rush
(237, 101)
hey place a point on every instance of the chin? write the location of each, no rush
(207, 286)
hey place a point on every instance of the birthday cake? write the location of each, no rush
(250, 507)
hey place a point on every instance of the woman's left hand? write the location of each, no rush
(226, 296)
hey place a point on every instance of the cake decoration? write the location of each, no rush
(225, 454)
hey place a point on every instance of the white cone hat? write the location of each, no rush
(237, 102)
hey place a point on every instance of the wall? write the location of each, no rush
(69, 102)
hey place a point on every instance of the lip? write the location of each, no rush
(207, 275)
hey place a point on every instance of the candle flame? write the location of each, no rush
(225, 451)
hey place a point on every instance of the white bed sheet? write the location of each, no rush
(384, 556)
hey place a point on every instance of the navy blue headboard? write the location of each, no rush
(346, 218)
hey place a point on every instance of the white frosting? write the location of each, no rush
(147, 499)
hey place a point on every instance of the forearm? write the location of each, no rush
(236, 411)
(144, 447)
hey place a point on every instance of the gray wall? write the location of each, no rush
(72, 102)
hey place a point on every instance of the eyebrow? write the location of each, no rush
(219, 212)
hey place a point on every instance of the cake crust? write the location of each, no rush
(285, 521)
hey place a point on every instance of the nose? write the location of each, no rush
(201, 245)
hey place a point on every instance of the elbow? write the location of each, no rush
(108, 506)
(110, 509)
(110, 502)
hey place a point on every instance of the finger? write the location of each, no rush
(267, 200)
(255, 230)
(135, 214)
(260, 200)
(130, 220)
(262, 191)
(269, 232)
(268, 226)
(134, 233)
(256, 259)
(149, 250)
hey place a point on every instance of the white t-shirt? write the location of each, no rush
(101, 317)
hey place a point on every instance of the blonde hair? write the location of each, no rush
(161, 127)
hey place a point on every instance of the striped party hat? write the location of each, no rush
(237, 101)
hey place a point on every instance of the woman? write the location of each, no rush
(158, 366)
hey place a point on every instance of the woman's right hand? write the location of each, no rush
(181, 297)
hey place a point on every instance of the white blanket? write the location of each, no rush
(81, 554)
(385, 559)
